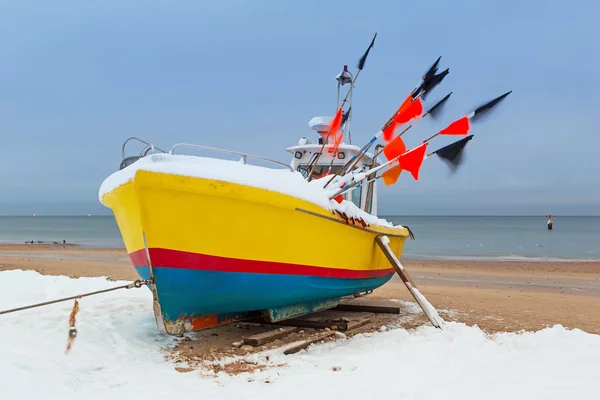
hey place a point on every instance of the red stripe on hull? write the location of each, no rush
(164, 258)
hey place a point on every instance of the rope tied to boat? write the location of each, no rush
(72, 317)
(137, 284)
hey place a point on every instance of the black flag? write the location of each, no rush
(426, 86)
(435, 110)
(452, 154)
(432, 70)
(346, 115)
(483, 109)
(363, 59)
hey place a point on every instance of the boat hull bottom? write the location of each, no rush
(296, 310)
(192, 300)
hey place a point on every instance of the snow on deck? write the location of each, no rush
(277, 180)
(117, 354)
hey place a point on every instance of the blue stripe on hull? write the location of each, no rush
(198, 292)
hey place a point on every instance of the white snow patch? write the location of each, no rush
(117, 354)
(277, 180)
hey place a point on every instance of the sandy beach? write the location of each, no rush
(496, 296)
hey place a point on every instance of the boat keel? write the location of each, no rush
(296, 310)
(186, 323)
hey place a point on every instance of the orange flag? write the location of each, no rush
(412, 160)
(388, 132)
(458, 127)
(340, 197)
(405, 104)
(336, 134)
(394, 148)
(413, 110)
(391, 175)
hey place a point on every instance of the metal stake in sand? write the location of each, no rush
(428, 309)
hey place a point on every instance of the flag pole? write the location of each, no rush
(431, 137)
(483, 109)
(316, 160)
(346, 123)
(373, 170)
(356, 158)
(367, 173)
(439, 103)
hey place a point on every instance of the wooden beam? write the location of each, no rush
(269, 336)
(313, 323)
(358, 323)
(305, 343)
(375, 309)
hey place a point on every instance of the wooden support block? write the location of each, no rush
(358, 323)
(248, 325)
(305, 343)
(313, 323)
(376, 309)
(265, 337)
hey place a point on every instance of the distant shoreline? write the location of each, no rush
(35, 247)
(4, 244)
(497, 258)
(442, 238)
(380, 215)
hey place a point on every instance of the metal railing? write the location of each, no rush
(243, 155)
(145, 150)
(149, 147)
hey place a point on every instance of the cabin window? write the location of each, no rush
(320, 170)
(302, 169)
(356, 195)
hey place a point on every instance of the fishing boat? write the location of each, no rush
(223, 239)
(220, 239)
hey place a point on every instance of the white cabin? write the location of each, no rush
(305, 152)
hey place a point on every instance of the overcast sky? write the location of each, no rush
(77, 78)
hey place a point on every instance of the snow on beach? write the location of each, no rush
(119, 353)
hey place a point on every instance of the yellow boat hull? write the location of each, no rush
(219, 250)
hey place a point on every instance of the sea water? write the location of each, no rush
(502, 238)
(95, 231)
(445, 237)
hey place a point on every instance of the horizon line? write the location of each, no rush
(380, 215)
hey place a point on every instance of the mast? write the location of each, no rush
(343, 78)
